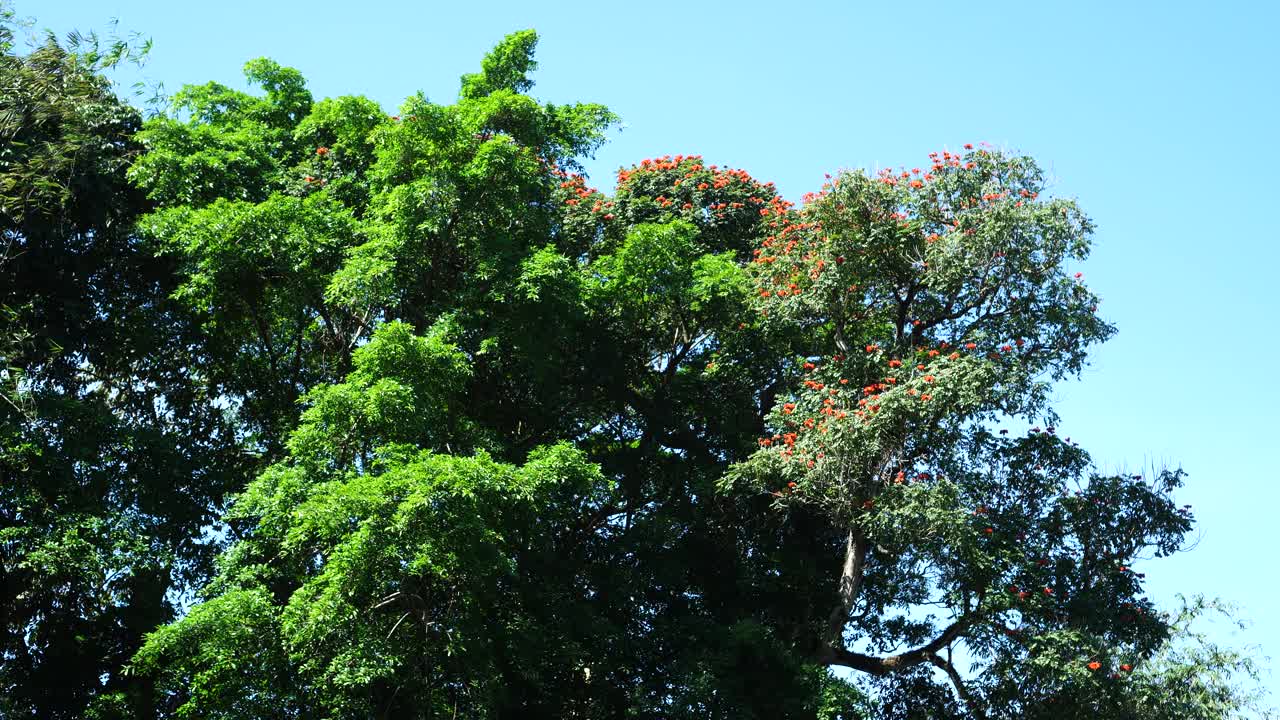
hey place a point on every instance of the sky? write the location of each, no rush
(1154, 116)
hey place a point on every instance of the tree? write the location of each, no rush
(113, 457)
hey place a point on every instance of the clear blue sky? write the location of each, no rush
(1154, 115)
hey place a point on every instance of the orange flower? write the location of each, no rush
(1094, 665)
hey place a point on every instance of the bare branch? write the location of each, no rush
(957, 682)
(881, 666)
(855, 558)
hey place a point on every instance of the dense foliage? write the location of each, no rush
(499, 444)
(114, 456)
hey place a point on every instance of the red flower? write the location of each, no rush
(1094, 665)
(970, 346)
(968, 146)
(322, 151)
(1126, 667)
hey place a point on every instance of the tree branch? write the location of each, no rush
(855, 559)
(957, 682)
(881, 666)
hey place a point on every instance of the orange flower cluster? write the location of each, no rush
(725, 201)
(826, 401)
(800, 251)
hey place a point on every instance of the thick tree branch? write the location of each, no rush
(904, 307)
(880, 666)
(855, 559)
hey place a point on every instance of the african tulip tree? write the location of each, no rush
(937, 303)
